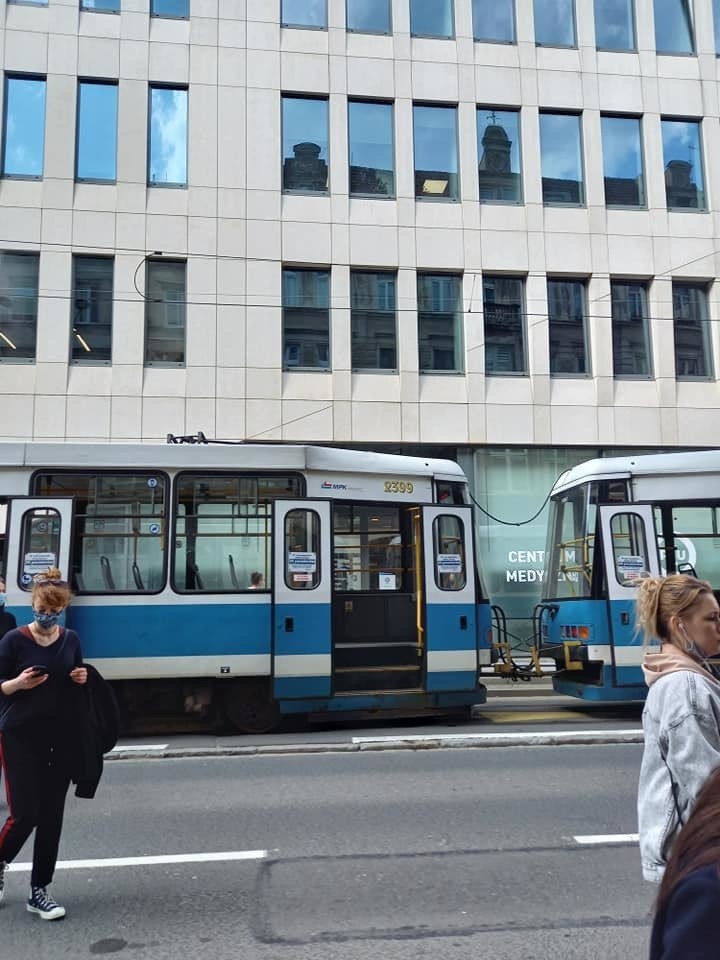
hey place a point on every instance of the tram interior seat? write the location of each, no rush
(137, 577)
(199, 585)
(106, 571)
(233, 574)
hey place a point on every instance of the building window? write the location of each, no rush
(567, 328)
(432, 18)
(305, 144)
(504, 321)
(498, 134)
(682, 159)
(18, 305)
(165, 312)
(554, 23)
(693, 353)
(168, 137)
(373, 320)
(101, 6)
(370, 127)
(440, 323)
(96, 154)
(673, 27)
(306, 319)
(436, 152)
(630, 334)
(561, 160)
(623, 162)
(614, 24)
(304, 13)
(24, 127)
(494, 20)
(92, 310)
(369, 16)
(176, 9)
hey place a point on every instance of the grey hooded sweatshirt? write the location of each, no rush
(681, 723)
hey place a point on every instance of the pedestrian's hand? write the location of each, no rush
(30, 678)
(79, 675)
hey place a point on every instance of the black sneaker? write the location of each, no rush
(42, 903)
(3, 868)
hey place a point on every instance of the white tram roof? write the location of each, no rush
(647, 465)
(200, 456)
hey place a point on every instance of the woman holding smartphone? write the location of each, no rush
(39, 664)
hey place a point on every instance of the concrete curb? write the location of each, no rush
(380, 744)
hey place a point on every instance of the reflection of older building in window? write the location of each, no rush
(439, 322)
(497, 180)
(370, 181)
(374, 339)
(690, 325)
(504, 325)
(680, 188)
(305, 170)
(624, 191)
(566, 322)
(306, 319)
(561, 191)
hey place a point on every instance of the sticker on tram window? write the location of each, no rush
(37, 563)
(398, 486)
(449, 563)
(302, 577)
(302, 562)
(387, 581)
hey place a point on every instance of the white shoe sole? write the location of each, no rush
(57, 914)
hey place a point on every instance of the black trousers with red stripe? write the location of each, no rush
(36, 784)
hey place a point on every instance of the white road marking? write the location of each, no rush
(137, 747)
(150, 860)
(528, 736)
(599, 838)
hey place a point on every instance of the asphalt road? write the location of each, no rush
(399, 855)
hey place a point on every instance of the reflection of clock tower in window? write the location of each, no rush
(496, 150)
(497, 181)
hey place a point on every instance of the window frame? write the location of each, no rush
(301, 368)
(86, 9)
(150, 301)
(518, 113)
(36, 256)
(458, 332)
(700, 208)
(693, 33)
(169, 16)
(510, 43)
(8, 77)
(295, 191)
(109, 472)
(80, 361)
(643, 205)
(372, 196)
(573, 204)
(557, 46)
(94, 82)
(633, 26)
(287, 25)
(456, 197)
(522, 280)
(166, 184)
(644, 286)
(587, 356)
(373, 33)
(707, 347)
(393, 273)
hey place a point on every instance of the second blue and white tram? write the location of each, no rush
(611, 522)
(255, 580)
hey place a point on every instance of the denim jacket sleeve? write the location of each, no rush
(682, 747)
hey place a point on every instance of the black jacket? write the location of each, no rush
(97, 728)
(7, 622)
(687, 929)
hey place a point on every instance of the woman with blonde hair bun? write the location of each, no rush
(681, 719)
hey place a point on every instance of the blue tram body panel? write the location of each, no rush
(167, 630)
(452, 657)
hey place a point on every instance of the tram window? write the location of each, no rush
(39, 544)
(570, 550)
(696, 539)
(119, 529)
(222, 531)
(3, 537)
(629, 548)
(302, 549)
(367, 548)
(449, 553)
(450, 492)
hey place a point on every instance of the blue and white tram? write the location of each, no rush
(255, 580)
(612, 521)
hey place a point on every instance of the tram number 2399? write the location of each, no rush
(398, 486)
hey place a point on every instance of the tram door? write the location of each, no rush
(630, 552)
(450, 598)
(38, 537)
(302, 654)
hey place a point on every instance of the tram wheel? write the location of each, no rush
(249, 709)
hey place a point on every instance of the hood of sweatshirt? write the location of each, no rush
(671, 660)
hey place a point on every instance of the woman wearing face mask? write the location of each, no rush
(39, 663)
(681, 719)
(7, 620)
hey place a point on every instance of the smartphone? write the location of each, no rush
(39, 670)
